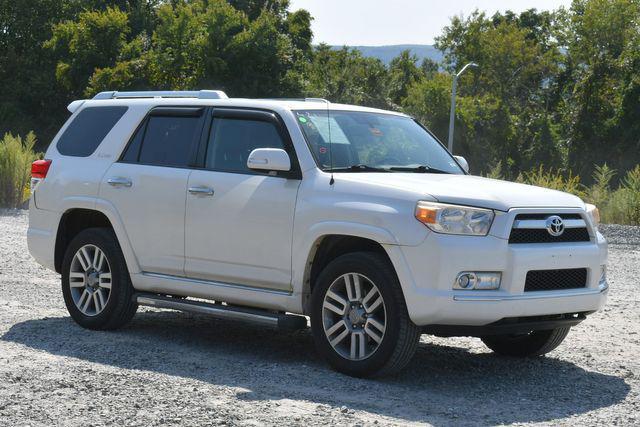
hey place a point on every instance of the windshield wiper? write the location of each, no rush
(418, 169)
(359, 168)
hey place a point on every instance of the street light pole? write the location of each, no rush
(452, 113)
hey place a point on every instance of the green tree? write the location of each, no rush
(403, 72)
(346, 76)
(92, 42)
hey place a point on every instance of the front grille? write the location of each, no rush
(550, 280)
(541, 235)
(536, 235)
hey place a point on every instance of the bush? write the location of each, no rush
(620, 206)
(16, 156)
(553, 180)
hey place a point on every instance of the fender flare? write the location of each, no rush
(108, 210)
(304, 251)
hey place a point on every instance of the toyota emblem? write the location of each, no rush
(555, 225)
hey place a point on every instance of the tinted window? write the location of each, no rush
(168, 140)
(232, 140)
(133, 150)
(88, 129)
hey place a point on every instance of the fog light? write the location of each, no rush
(477, 280)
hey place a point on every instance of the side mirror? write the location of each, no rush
(463, 162)
(269, 159)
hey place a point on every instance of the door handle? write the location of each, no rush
(119, 182)
(204, 191)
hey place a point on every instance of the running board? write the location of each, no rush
(254, 315)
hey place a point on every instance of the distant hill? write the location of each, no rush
(387, 53)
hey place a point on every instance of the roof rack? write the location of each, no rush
(296, 99)
(200, 94)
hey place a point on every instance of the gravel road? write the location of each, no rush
(174, 368)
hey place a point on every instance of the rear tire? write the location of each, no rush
(96, 285)
(367, 319)
(535, 343)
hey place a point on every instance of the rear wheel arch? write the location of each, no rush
(72, 222)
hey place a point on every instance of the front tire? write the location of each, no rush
(536, 343)
(359, 318)
(96, 285)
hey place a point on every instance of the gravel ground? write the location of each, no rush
(174, 368)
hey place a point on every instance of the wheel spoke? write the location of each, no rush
(370, 296)
(83, 296)
(84, 259)
(337, 340)
(373, 322)
(96, 302)
(337, 298)
(105, 280)
(336, 327)
(371, 308)
(354, 289)
(98, 260)
(358, 350)
(76, 279)
(87, 302)
(103, 302)
(374, 335)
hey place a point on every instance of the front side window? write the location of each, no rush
(164, 140)
(232, 140)
(364, 141)
(87, 130)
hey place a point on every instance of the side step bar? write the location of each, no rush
(254, 315)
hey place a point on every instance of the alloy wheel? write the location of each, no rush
(354, 316)
(90, 280)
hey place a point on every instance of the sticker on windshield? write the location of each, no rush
(376, 131)
(302, 119)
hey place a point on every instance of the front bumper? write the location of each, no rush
(427, 273)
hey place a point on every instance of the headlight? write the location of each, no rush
(453, 219)
(594, 214)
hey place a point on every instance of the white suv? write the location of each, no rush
(266, 210)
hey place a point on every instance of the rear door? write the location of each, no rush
(148, 186)
(239, 222)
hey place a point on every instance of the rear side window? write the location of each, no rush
(165, 139)
(232, 140)
(88, 129)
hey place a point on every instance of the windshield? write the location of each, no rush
(363, 141)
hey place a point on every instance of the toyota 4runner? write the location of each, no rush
(272, 210)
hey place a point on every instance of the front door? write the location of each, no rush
(239, 222)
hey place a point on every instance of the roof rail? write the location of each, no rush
(317, 100)
(201, 94)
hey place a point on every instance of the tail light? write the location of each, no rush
(39, 168)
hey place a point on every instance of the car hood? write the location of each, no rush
(472, 190)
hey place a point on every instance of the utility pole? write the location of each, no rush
(452, 114)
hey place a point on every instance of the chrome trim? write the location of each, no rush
(487, 298)
(205, 191)
(538, 224)
(213, 283)
(119, 182)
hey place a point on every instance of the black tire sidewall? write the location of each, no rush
(106, 241)
(378, 270)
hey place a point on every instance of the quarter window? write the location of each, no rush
(85, 133)
(232, 140)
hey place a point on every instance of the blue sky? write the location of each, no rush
(384, 22)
